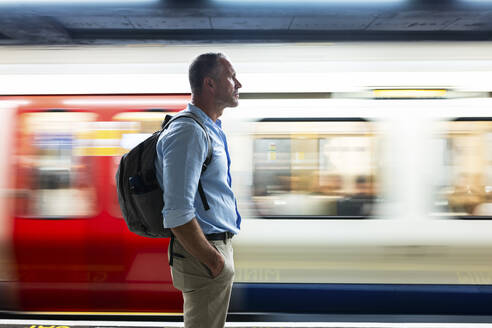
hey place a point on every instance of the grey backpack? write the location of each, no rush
(139, 194)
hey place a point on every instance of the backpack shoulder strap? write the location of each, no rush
(169, 119)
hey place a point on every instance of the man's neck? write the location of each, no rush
(209, 109)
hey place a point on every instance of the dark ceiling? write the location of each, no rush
(164, 21)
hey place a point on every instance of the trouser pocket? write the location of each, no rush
(187, 271)
(225, 249)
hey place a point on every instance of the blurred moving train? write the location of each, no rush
(362, 190)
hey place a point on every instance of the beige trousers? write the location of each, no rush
(206, 299)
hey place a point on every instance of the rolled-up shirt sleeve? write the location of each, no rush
(183, 153)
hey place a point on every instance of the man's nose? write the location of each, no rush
(238, 84)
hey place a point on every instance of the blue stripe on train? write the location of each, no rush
(362, 298)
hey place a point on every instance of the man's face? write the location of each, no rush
(227, 94)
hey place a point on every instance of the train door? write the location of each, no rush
(73, 250)
(57, 198)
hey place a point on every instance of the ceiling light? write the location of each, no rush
(409, 93)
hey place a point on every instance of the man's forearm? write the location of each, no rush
(191, 236)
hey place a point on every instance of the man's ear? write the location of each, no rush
(209, 83)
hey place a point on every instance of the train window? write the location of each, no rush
(137, 127)
(464, 182)
(55, 176)
(315, 168)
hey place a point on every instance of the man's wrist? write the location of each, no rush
(216, 263)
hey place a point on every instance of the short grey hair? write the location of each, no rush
(205, 65)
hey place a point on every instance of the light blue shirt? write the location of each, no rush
(181, 151)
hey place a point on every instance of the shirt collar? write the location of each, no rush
(204, 117)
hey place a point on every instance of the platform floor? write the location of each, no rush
(328, 321)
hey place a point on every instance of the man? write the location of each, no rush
(201, 252)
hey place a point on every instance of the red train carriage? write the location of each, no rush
(73, 251)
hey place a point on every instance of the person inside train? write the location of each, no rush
(467, 193)
(330, 188)
(360, 203)
(331, 185)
